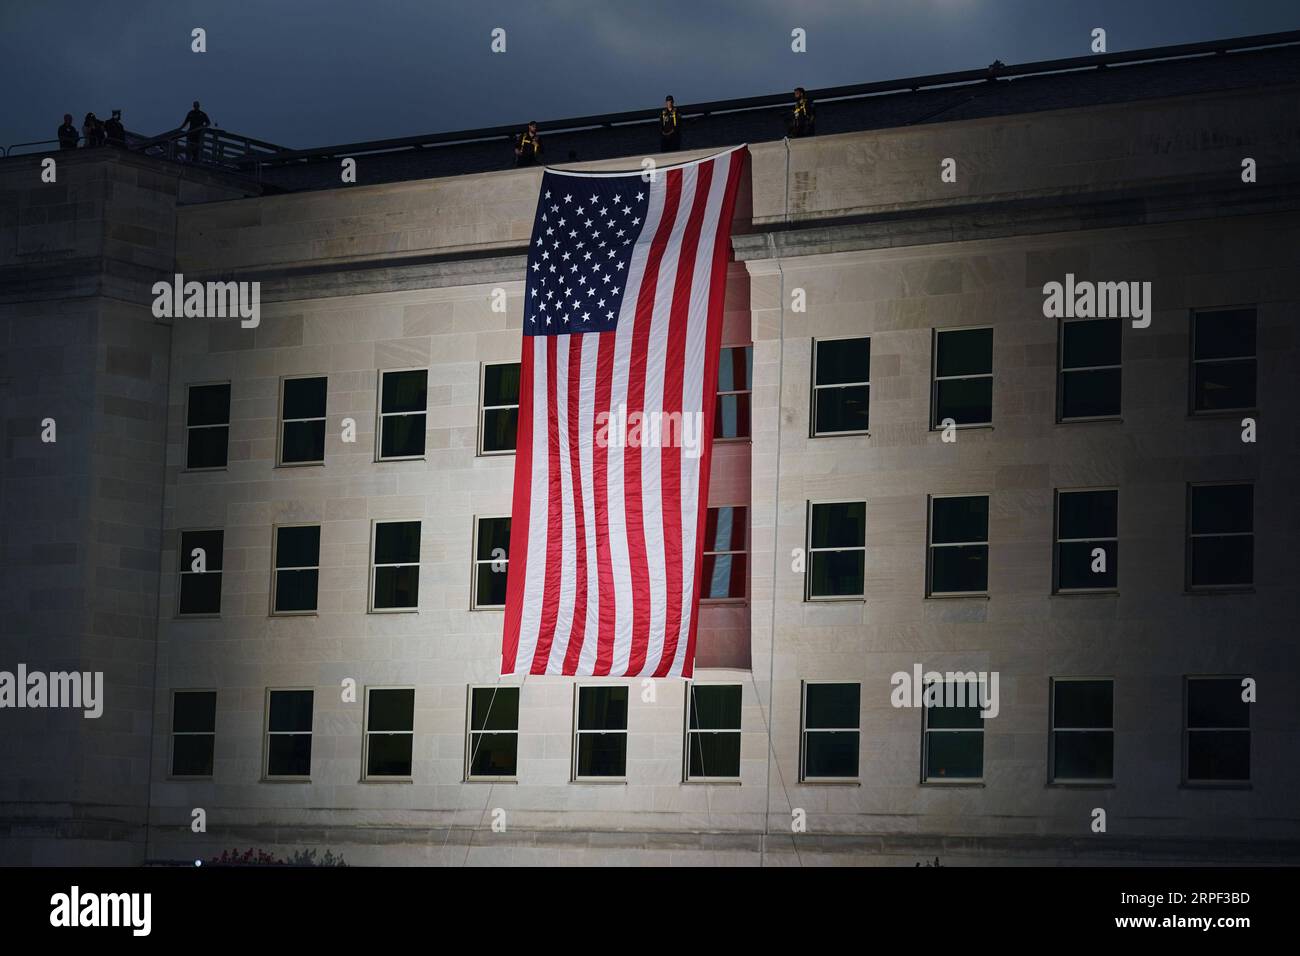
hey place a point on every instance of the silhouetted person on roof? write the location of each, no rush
(195, 121)
(528, 146)
(92, 130)
(670, 128)
(114, 131)
(68, 133)
(802, 120)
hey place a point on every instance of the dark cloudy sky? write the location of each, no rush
(303, 73)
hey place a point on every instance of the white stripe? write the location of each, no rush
(535, 576)
(586, 451)
(652, 496)
(568, 553)
(693, 398)
(618, 543)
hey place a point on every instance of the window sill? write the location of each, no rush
(971, 784)
(198, 617)
(189, 778)
(711, 782)
(294, 614)
(385, 461)
(490, 607)
(831, 782)
(847, 599)
(300, 464)
(504, 453)
(1080, 785)
(600, 781)
(200, 471)
(266, 779)
(1091, 592)
(1216, 785)
(490, 780)
(861, 434)
(724, 602)
(1226, 589)
(959, 595)
(394, 610)
(1098, 420)
(386, 780)
(977, 426)
(1221, 413)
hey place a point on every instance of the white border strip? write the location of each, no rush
(632, 172)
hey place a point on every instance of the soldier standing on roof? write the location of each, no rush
(803, 120)
(670, 130)
(528, 146)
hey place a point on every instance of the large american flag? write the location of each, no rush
(622, 315)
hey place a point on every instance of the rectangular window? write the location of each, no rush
(1216, 731)
(1083, 731)
(200, 566)
(491, 562)
(395, 566)
(713, 731)
(1220, 536)
(959, 545)
(1087, 540)
(390, 731)
(207, 426)
(302, 421)
(288, 733)
(954, 732)
(841, 386)
(492, 748)
(831, 730)
(600, 741)
(403, 407)
(837, 550)
(297, 569)
(1223, 360)
(1089, 380)
(499, 408)
(963, 377)
(194, 732)
(725, 546)
(735, 383)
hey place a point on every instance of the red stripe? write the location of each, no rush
(579, 625)
(674, 369)
(518, 565)
(636, 543)
(600, 467)
(554, 521)
(717, 295)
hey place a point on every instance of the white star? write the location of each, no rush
(568, 199)
(610, 254)
(604, 278)
(591, 290)
(565, 257)
(609, 315)
(636, 222)
(639, 196)
(604, 210)
(536, 266)
(555, 209)
(586, 257)
(548, 320)
(618, 266)
(611, 224)
(552, 268)
(601, 303)
(586, 316)
(582, 280)
(618, 199)
(548, 194)
(593, 197)
(539, 240)
(627, 211)
(573, 234)
(587, 223)
(595, 267)
(620, 233)
(532, 293)
(550, 295)
(578, 210)
(550, 231)
(561, 222)
(545, 254)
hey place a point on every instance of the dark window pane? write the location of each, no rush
(303, 441)
(392, 710)
(405, 391)
(209, 405)
(602, 755)
(397, 542)
(958, 569)
(288, 755)
(206, 447)
(1090, 343)
(1088, 514)
(389, 755)
(845, 409)
(490, 586)
(1216, 703)
(493, 755)
(296, 590)
(957, 707)
(1223, 562)
(832, 705)
(828, 754)
(304, 397)
(841, 525)
(734, 369)
(397, 587)
(500, 429)
(290, 710)
(1218, 755)
(732, 419)
(1087, 755)
(1074, 565)
(501, 384)
(1092, 394)
(725, 529)
(209, 541)
(495, 708)
(967, 401)
(843, 360)
(403, 436)
(1223, 508)
(960, 519)
(194, 711)
(724, 576)
(1224, 385)
(715, 707)
(964, 352)
(297, 547)
(714, 755)
(201, 593)
(493, 533)
(602, 708)
(192, 755)
(1083, 703)
(836, 573)
(954, 756)
(1228, 334)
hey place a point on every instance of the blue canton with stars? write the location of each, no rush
(581, 252)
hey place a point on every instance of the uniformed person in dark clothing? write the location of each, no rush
(528, 146)
(114, 131)
(195, 121)
(803, 120)
(67, 133)
(670, 130)
(92, 130)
